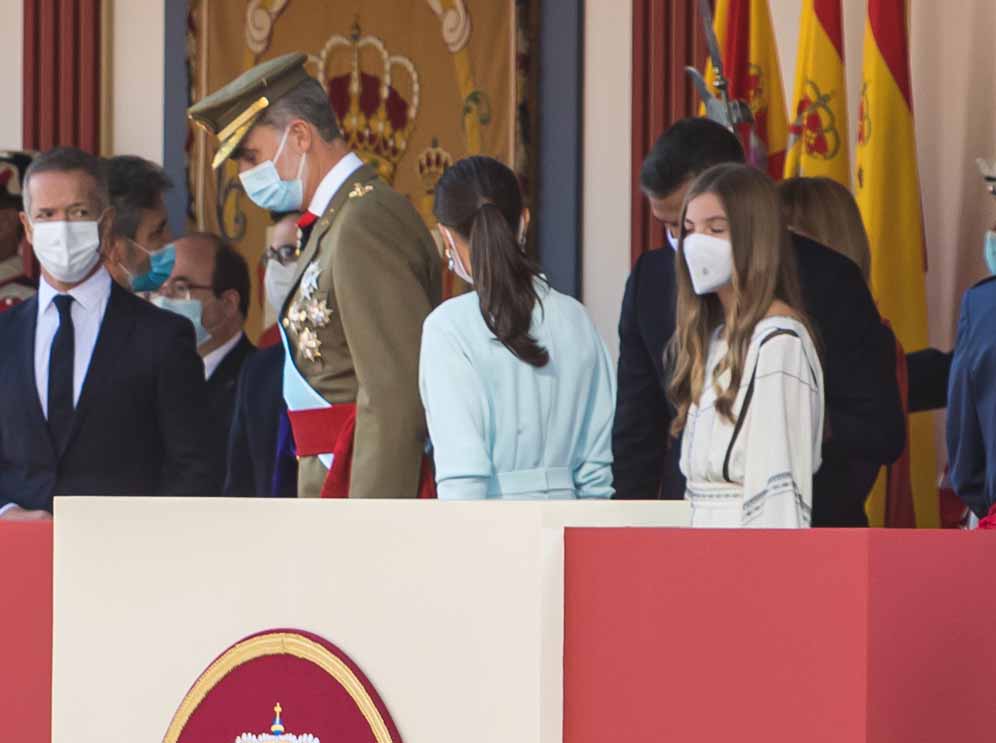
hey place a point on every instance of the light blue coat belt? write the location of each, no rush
(552, 482)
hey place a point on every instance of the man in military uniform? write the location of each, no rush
(366, 279)
(15, 252)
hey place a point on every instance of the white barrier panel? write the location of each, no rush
(454, 611)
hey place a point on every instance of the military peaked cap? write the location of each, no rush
(229, 113)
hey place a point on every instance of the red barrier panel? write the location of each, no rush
(864, 635)
(26, 631)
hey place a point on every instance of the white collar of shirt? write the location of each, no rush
(91, 294)
(332, 182)
(213, 360)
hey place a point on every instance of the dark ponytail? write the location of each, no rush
(479, 199)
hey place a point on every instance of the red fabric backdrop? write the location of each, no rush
(667, 37)
(61, 74)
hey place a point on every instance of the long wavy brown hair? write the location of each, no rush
(764, 271)
(824, 210)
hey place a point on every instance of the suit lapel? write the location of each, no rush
(228, 369)
(115, 329)
(38, 426)
(324, 224)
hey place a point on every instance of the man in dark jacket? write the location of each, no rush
(209, 285)
(865, 426)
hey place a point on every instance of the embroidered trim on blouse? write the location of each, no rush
(778, 485)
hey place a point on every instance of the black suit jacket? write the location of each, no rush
(140, 426)
(221, 398)
(929, 370)
(864, 416)
(252, 446)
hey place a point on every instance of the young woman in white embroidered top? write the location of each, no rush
(747, 382)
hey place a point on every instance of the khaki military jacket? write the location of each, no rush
(367, 278)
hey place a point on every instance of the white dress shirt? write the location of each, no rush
(332, 182)
(89, 304)
(213, 360)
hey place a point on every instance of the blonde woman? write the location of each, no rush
(747, 382)
(823, 210)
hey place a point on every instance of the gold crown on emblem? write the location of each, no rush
(375, 118)
(432, 163)
(277, 733)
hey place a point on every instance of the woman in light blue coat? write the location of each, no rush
(518, 388)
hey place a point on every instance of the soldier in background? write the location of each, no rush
(367, 277)
(15, 252)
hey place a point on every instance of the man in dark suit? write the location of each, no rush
(971, 427)
(210, 286)
(865, 426)
(261, 461)
(101, 393)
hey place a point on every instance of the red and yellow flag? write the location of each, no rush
(750, 63)
(818, 141)
(888, 191)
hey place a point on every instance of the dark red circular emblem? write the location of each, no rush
(282, 686)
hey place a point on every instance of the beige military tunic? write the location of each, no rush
(367, 279)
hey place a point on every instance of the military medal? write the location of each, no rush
(310, 345)
(309, 281)
(360, 191)
(318, 312)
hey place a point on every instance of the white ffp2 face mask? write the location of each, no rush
(278, 282)
(66, 250)
(710, 262)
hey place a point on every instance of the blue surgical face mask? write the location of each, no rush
(267, 190)
(990, 251)
(191, 309)
(160, 267)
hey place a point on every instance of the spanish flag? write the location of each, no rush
(888, 191)
(818, 141)
(750, 63)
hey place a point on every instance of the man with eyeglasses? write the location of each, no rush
(101, 393)
(209, 285)
(278, 267)
(261, 453)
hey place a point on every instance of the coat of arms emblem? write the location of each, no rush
(277, 734)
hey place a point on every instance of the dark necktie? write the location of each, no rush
(60, 373)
